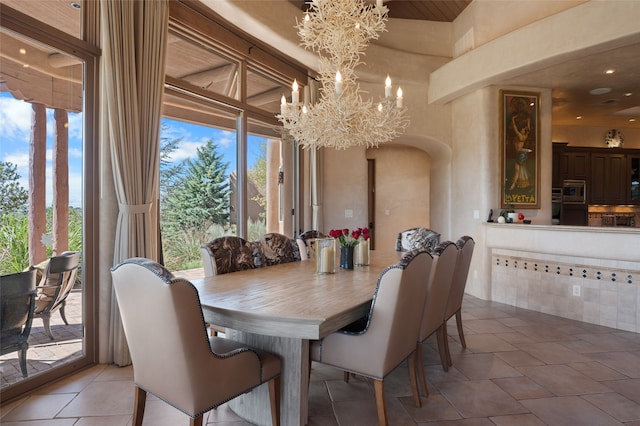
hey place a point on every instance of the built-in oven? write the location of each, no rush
(574, 191)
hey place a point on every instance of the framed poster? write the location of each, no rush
(519, 149)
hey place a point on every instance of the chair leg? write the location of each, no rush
(274, 400)
(23, 362)
(413, 379)
(197, 421)
(64, 318)
(422, 378)
(460, 330)
(47, 326)
(447, 350)
(138, 407)
(378, 386)
(441, 336)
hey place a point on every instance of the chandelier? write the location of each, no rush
(339, 32)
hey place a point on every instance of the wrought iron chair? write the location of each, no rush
(53, 289)
(17, 301)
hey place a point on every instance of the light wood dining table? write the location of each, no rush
(280, 308)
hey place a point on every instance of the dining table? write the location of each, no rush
(281, 308)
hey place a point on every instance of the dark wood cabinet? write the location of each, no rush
(612, 176)
(607, 183)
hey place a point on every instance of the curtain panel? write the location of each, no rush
(134, 38)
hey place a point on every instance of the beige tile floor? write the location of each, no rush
(520, 368)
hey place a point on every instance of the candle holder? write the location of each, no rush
(325, 249)
(362, 253)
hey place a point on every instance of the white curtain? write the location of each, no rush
(315, 173)
(134, 35)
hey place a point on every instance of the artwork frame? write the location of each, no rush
(519, 149)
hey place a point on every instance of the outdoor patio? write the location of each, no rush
(43, 352)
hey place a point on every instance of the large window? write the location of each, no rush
(45, 209)
(225, 169)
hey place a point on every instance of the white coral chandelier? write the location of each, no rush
(339, 32)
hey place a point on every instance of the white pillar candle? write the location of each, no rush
(387, 87)
(363, 252)
(399, 98)
(326, 259)
(295, 94)
(378, 3)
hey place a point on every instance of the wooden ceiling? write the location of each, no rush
(428, 10)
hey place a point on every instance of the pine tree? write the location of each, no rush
(13, 197)
(201, 197)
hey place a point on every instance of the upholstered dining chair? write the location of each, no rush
(417, 238)
(438, 286)
(278, 248)
(303, 241)
(229, 254)
(387, 336)
(172, 356)
(465, 246)
(17, 302)
(53, 289)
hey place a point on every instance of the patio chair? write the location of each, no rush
(17, 297)
(172, 356)
(53, 289)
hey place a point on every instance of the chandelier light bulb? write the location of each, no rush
(379, 107)
(387, 87)
(338, 83)
(399, 98)
(283, 105)
(295, 94)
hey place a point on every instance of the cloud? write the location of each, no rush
(15, 117)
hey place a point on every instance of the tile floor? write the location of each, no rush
(520, 368)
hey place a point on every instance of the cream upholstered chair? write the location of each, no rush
(171, 354)
(417, 238)
(438, 286)
(57, 281)
(303, 241)
(17, 297)
(229, 254)
(388, 335)
(465, 246)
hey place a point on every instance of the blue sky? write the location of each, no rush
(15, 128)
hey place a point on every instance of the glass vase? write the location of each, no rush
(362, 253)
(346, 257)
(325, 252)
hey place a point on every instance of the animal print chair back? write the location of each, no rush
(232, 254)
(278, 248)
(417, 238)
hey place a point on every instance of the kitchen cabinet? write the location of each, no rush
(608, 180)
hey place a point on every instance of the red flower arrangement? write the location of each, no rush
(347, 238)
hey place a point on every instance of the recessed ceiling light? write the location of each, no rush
(600, 91)
(75, 5)
(628, 94)
(609, 71)
(579, 117)
(23, 51)
(632, 119)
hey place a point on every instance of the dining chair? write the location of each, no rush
(172, 356)
(417, 238)
(387, 336)
(228, 254)
(438, 286)
(304, 243)
(278, 248)
(465, 246)
(53, 289)
(17, 301)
